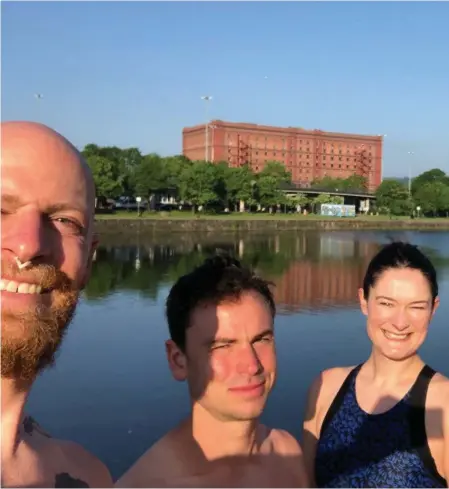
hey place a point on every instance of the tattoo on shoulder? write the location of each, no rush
(66, 480)
(30, 425)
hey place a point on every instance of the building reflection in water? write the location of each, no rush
(332, 281)
(311, 270)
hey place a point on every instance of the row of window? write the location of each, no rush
(234, 138)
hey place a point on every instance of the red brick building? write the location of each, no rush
(307, 154)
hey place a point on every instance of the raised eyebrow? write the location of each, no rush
(385, 297)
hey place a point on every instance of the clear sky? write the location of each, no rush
(133, 73)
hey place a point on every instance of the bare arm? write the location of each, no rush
(446, 438)
(310, 431)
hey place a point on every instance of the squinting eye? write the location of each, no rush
(70, 223)
(266, 339)
(220, 347)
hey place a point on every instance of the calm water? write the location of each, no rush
(111, 389)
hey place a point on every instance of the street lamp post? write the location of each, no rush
(410, 175)
(207, 98)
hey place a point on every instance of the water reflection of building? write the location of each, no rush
(331, 281)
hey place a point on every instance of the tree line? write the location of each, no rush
(127, 172)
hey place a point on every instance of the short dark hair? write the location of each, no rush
(400, 255)
(218, 279)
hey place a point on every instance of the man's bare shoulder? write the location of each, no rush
(151, 468)
(284, 443)
(82, 466)
(71, 464)
(289, 452)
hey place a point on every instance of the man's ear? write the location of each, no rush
(177, 360)
(93, 248)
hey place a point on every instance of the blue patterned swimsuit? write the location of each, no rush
(357, 449)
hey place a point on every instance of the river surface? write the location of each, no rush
(111, 389)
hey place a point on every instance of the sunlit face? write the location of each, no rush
(47, 208)
(230, 360)
(398, 310)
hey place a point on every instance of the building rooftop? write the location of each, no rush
(263, 127)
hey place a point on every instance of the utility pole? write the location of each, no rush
(207, 98)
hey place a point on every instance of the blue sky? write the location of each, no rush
(132, 73)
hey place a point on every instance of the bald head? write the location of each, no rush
(32, 146)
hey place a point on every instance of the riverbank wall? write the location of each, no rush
(164, 226)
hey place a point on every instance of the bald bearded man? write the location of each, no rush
(47, 237)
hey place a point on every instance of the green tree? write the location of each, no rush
(125, 162)
(268, 191)
(107, 183)
(355, 183)
(300, 199)
(150, 178)
(198, 183)
(430, 176)
(433, 197)
(241, 185)
(393, 196)
(277, 171)
(173, 167)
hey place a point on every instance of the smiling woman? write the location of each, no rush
(384, 423)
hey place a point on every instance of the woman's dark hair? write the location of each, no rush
(400, 255)
(218, 279)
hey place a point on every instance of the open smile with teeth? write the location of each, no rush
(20, 287)
(396, 336)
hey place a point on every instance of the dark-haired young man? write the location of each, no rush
(220, 318)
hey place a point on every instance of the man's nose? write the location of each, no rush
(249, 362)
(24, 234)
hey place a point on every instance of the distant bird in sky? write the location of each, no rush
(38, 95)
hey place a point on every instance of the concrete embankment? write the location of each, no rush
(157, 226)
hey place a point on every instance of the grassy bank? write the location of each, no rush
(245, 216)
(179, 222)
